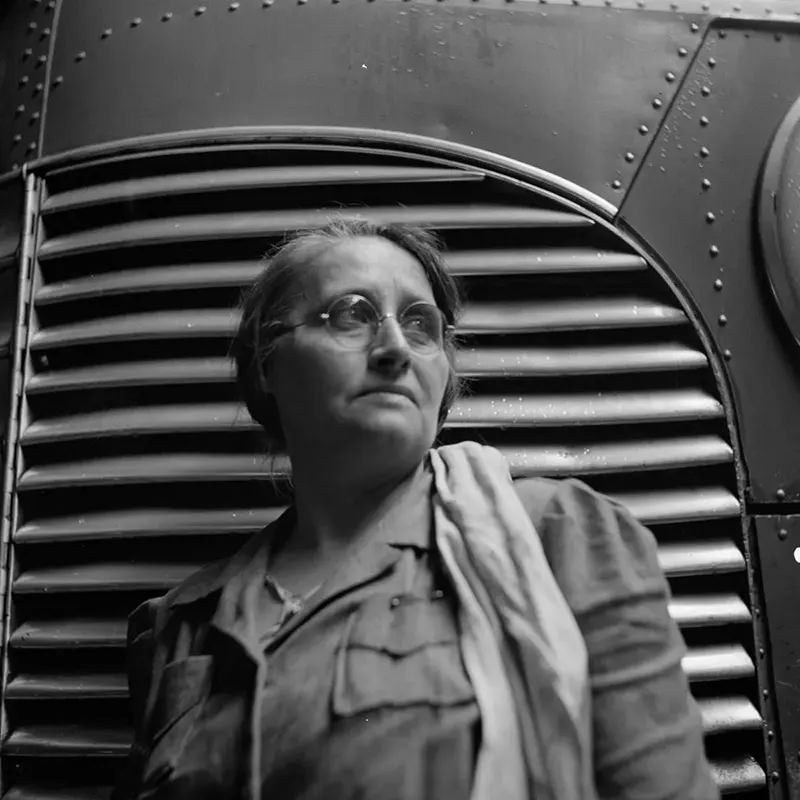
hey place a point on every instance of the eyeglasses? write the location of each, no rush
(354, 322)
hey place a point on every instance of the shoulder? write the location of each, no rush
(595, 546)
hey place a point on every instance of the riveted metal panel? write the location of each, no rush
(26, 38)
(701, 178)
(448, 71)
(779, 551)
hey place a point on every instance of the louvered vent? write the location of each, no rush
(139, 465)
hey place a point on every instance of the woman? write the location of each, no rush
(413, 626)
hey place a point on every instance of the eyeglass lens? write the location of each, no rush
(354, 322)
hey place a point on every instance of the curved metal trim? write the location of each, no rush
(783, 292)
(414, 144)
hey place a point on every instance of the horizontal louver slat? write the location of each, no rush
(726, 714)
(140, 576)
(718, 663)
(241, 273)
(708, 610)
(231, 180)
(681, 505)
(524, 317)
(254, 224)
(738, 775)
(66, 687)
(489, 362)
(541, 262)
(699, 558)
(38, 792)
(478, 411)
(493, 362)
(71, 634)
(68, 740)
(146, 522)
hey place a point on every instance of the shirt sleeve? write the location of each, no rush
(139, 657)
(647, 730)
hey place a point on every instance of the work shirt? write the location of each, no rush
(363, 694)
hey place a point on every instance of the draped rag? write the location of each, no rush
(522, 648)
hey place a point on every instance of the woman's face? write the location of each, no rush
(383, 400)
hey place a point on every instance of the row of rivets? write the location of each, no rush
(35, 56)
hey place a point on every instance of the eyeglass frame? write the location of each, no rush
(447, 328)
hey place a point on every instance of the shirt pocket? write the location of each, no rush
(399, 652)
(183, 687)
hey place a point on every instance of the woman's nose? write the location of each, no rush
(390, 352)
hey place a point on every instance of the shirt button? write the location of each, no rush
(438, 594)
(394, 602)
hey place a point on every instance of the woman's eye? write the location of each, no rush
(352, 313)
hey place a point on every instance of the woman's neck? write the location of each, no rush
(335, 509)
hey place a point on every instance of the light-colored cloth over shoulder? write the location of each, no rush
(637, 734)
(521, 645)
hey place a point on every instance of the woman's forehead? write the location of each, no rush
(365, 263)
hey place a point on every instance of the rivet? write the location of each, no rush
(770, 735)
(32, 26)
(761, 652)
(80, 56)
(643, 129)
(712, 62)
(657, 102)
(38, 89)
(41, 60)
(266, 3)
(705, 91)
(723, 34)
(704, 121)
(200, 10)
(233, 7)
(51, 5)
(765, 693)
(706, 184)
(718, 284)
(166, 17)
(722, 319)
(437, 594)
(19, 110)
(31, 147)
(670, 76)
(710, 217)
(778, 37)
(629, 157)
(136, 22)
(394, 602)
(673, 6)
(27, 53)
(781, 494)
(106, 33)
(767, 10)
(59, 80)
(45, 33)
(35, 117)
(640, 3)
(16, 138)
(737, 9)
(774, 776)
(705, 152)
(616, 184)
(705, 6)
(694, 27)
(683, 52)
(782, 534)
(23, 80)
(757, 612)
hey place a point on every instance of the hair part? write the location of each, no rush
(270, 299)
